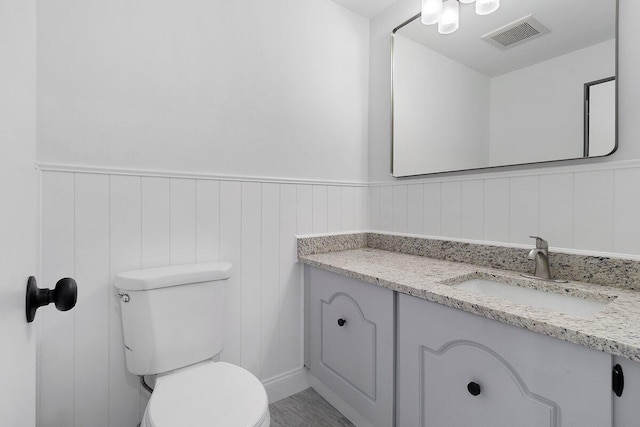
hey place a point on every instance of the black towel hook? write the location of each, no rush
(64, 296)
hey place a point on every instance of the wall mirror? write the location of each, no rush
(532, 82)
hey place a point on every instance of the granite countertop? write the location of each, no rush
(615, 329)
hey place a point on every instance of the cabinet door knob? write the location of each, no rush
(474, 388)
(341, 322)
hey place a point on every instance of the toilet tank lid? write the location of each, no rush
(175, 275)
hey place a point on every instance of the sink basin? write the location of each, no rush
(567, 304)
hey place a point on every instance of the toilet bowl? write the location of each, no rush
(173, 325)
(209, 394)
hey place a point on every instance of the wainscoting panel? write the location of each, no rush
(95, 225)
(626, 207)
(207, 220)
(387, 208)
(399, 215)
(334, 202)
(347, 217)
(320, 209)
(450, 221)
(92, 270)
(183, 221)
(432, 200)
(589, 207)
(56, 344)
(125, 254)
(471, 214)
(593, 204)
(415, 211)
(270, 275)
(289, 293)
(496, 209)
(304, 208)
(524, 197)
(556, 209)
(231, 250)
(155, 222)
(251, 238)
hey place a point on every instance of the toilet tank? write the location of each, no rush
(174, 316)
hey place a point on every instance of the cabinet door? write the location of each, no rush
(351, 342)
(626, 411)
(523, 378)
(466, 384)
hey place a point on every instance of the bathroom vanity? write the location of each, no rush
(397, 338)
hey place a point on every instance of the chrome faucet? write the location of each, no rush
(540, 255)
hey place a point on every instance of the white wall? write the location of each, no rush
(95, 225)
(18, 210)
(250, 88)
(579, 205)
(525, 126)
(196, 91)
(453, 95)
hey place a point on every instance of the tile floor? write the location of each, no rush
(306, 409)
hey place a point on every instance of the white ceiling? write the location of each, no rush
(574, 24)
(366, 8)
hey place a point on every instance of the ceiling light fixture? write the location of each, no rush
(431, 11)
(447, 13)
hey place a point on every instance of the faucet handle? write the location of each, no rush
(540, 242)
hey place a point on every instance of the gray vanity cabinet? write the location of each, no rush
(457, 369)
(350, 346)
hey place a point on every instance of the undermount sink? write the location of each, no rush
(568, 304)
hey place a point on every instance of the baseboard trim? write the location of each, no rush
(337, 402)
(286, 384)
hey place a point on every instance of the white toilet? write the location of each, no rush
(173, 322)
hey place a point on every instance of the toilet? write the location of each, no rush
(173, 325)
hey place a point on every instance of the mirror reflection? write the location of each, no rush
(534, 81)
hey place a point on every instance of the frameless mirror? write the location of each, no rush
(532, 82)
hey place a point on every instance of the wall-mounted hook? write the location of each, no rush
(64, 296)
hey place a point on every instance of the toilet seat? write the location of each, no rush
(209, 394)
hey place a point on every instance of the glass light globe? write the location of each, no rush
(485, 7)
(431, 11)
(450, 19)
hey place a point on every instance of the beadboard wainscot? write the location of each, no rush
(98, 222)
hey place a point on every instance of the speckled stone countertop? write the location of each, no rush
(615, 329)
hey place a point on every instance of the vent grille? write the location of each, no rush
(515, 35)
(516, 32)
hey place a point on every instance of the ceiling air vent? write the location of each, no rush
(517, 32)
